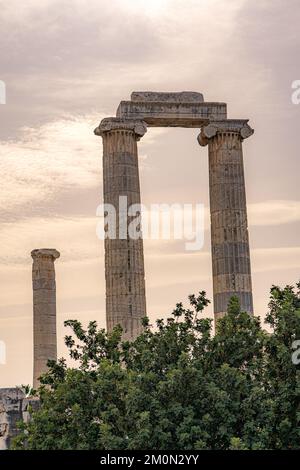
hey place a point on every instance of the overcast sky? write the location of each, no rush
(66, 65)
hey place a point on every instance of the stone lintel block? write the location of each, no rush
(172, 114)
(170, 97)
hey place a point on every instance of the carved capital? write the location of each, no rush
(45, 253)
(116, 124)
(233, 126)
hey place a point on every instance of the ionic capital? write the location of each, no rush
(116, 124)
(233, 126)
(45, 253)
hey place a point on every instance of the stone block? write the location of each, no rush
(170, 97)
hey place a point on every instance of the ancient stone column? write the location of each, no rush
(124, 256)
(229, 226)
(44, 310)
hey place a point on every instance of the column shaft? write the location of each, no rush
(44, 311)
(229, 226)
(124, 258)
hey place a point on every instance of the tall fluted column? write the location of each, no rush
(124, 256)
(229, 226)
(44, 310)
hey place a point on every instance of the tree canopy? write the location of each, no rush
(177, 386)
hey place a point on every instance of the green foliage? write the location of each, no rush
(177, 386)
(27, 390)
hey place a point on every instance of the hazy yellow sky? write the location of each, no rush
(66, 65)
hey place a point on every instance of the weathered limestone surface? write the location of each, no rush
(185, 109)
(14, 407)
(166, 114)
(124, 258)
(44, 310)
(170, 97)
(229, 227)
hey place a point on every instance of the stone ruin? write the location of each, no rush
(124, 258)
(14, 407)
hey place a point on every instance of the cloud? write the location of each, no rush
(260, 214)
(48, 165)
(59, 35)
(66, 55)
(74, 237)
(44, 162)
(66, 65)
(275, 259)
(268, 213)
